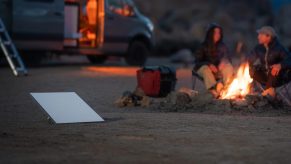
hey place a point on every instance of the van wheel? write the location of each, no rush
(137, 54)
(96, 59)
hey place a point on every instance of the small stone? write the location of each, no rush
(191, 93)
(172, 98)
(239, 103)
(251, 108)
(262, 103)
(139, 92)
(145, 102)
(252, 99)
(182, 98)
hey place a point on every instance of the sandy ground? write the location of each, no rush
(129, 135)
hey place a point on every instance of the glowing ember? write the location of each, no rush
(240, 86)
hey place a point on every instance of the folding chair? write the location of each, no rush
(195, 76)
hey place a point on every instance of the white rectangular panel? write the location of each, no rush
(66, 107)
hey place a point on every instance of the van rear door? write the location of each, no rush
(119, 23)
(38, 24)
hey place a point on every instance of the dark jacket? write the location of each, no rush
(277, 55)
(203, 56)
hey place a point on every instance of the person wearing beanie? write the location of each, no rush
(269, 61)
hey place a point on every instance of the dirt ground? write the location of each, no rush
(129, 135)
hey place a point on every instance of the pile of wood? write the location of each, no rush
(132, 99)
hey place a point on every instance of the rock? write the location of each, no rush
(191, 93)
(171, 98)
(139, 92)
(204, 98)
(262, 103)
(137, 98)
(177, 20)
(145, 101)
(239, 103)
(223, 104)
(183, 56)
(124, 101)
(251, 108)
(178, 98)
(183, 98)
(198, 29)
(253, 99)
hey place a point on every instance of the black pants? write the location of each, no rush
(267, 79)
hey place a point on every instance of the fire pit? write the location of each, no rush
(238, 92)
(236, 98)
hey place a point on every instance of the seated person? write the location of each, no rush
(212, 61)
(269, 61)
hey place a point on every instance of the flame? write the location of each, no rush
(241, 84)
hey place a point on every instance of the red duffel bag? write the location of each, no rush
(157, 81)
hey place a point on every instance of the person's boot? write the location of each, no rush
(214, 93)
(269, 92)
(219, 87)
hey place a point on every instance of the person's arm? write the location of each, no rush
(284, 64)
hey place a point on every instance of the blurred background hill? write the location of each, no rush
(181, 24)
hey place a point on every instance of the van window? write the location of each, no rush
(121, 7)
(115, 3)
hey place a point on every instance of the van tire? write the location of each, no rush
(137, 53)
(96, 59)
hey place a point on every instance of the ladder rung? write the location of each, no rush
(7, 43)
(20, 69)
(13, 56)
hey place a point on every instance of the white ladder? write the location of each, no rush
(10, 52)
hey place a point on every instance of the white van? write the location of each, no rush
(95, 28)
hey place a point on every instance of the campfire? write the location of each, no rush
(237, 96)
(240, 86)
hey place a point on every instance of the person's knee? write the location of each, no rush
(227, 70)
(205, 70)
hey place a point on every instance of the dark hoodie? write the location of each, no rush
(210, 53)
(277, 55)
